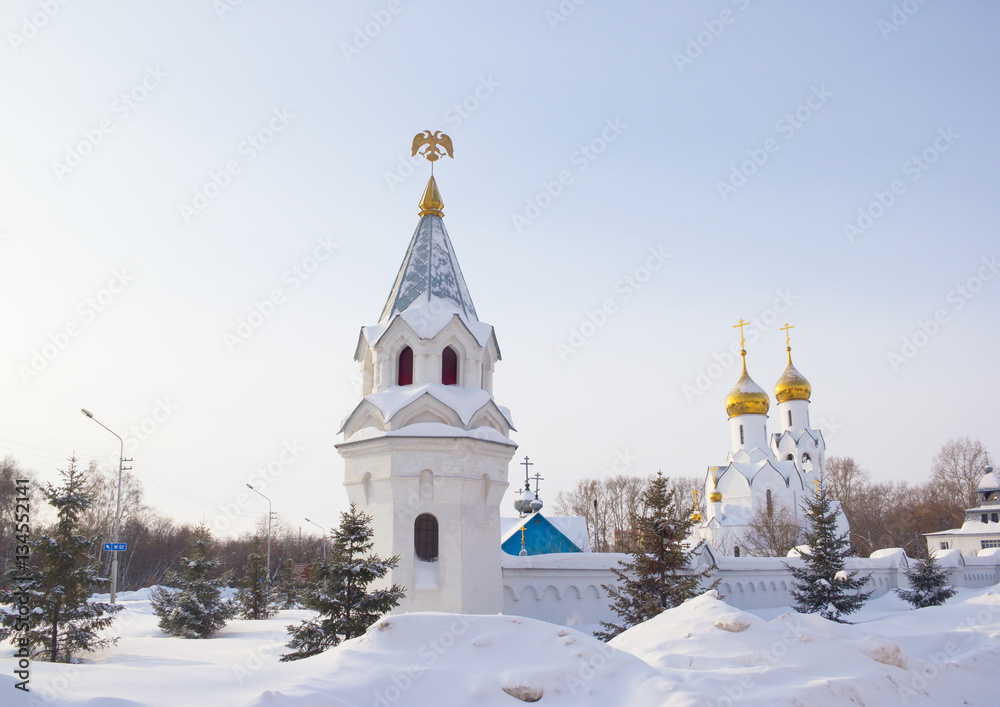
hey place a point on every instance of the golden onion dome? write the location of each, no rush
(792, 385)
(746, 397)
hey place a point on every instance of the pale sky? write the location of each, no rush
(166, 170)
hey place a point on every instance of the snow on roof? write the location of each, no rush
(427, 319)
(466, 402)
(433, 429)
(429, 272)
(989, 482)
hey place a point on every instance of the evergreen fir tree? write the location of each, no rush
(191, 604)
(256, 598)
(656, 578)
(822, 586)
(56, 583)
(930, 584)
(287, 589)
(339, 590)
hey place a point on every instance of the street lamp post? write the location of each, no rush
(118, 503)
(322, 536)
(268, 530)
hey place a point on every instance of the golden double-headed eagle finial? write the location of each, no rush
(432, 141)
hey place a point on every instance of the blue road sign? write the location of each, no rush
(115, 547)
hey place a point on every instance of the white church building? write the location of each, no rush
(427, 450)
(763, 473)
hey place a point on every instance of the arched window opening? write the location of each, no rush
(770, 504)
(425, 537)
(404, 367)
(449, 366)
(790, 458)
(741, 435)
(789, 418)
(736, 551)
(985, 517)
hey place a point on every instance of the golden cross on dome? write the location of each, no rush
(740, 327)
(695, 492)
(816, 483)
(788, 339)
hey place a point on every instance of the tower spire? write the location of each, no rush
(428, 144)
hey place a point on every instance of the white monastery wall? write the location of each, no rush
(566, 589)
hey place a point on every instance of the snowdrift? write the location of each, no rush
(702, 653)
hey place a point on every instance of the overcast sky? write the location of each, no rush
(630, 179)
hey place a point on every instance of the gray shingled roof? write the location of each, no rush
(430, 270)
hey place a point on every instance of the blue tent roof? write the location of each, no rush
(540, 537)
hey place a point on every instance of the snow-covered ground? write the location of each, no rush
(702, 653)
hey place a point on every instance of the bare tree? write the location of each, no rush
(845, 479)
(772, 534)
(957, 469)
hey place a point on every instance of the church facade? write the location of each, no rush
(427, 448)
(765, 476)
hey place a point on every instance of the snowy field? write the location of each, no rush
(701, 653)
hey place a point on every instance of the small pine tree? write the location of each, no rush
(930, 584)
(191, 604)
(256, 598)
(339, 590)
(287, 589)
(656, 578)
(822, 586)
(58, 582)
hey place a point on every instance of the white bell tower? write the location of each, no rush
(426, 449)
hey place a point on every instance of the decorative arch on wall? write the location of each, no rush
(404, 367)
(550, 593)
(368, 487)
(487, 485)
(591, 593)
(573, 593)
(426, 485)
(529, 593)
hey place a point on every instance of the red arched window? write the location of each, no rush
(404, 367)
(449, 366)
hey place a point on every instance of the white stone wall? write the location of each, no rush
(567, 589)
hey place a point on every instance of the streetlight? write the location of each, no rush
(268, 529)
(118, 503)
(323, 530)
